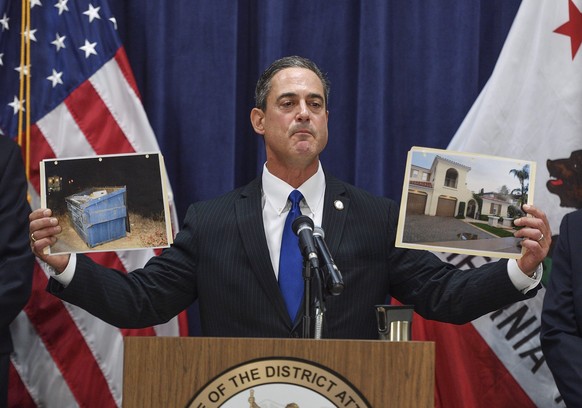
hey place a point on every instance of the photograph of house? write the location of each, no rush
(463, 203)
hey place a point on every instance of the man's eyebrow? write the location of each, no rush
(293, 95)
(286, 95)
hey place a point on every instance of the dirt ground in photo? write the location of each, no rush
(144, 233)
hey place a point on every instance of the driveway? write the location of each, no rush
(426, 228)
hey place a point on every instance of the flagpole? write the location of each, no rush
(24, 87)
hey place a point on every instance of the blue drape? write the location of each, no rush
(403, 73)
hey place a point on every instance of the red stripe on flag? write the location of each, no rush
(123, 63)
(66, 345)
(183, 324)
(18, 395)
(468, 372)
(39, 150)
(107, 258)
(95, 121)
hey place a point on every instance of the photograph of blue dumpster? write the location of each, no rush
(108, 203)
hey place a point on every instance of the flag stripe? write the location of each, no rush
(60, 131)
(94, 119)
(38, 371)
(124, 106)
(20, 397)
(123, 62)
(70, 351)
(454, 346)
(39, 149)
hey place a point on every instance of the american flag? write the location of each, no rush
(83, 101)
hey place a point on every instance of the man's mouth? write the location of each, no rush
(556, 182)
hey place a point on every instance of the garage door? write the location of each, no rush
(416, 203)
(446, 207)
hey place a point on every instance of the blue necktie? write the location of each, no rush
(291, 261)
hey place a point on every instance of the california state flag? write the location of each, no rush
(531, 108)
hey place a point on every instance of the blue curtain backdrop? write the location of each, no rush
(403, 73)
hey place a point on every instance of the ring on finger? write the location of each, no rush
(541, 238)
(32, 238)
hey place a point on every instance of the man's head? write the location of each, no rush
(293, 117)
(264, 83)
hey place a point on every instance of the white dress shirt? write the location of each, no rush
(276, 206)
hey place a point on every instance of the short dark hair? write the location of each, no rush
(264, 83)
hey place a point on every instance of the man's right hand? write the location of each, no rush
(43, 231)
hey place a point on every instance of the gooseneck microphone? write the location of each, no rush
(335, 283)
(303, 228)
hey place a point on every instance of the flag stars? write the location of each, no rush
(22, 69)
(572, 28)
(114, 21)
(4, 22)
(55, 78)
(17, 105)
(1, 59)
(62, 6)
(89, 48)
(92, 13)
(31, 34)
(35, 3)
(59, 42)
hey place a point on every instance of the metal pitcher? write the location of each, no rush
(394, 322)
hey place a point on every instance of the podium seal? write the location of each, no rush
(276, 381)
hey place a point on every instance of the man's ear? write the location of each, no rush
(258, 120)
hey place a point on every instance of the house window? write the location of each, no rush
(492, 209)
(414, 173)
(451, 178)
(495, 209)
(424, 176)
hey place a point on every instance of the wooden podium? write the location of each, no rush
(171, 371)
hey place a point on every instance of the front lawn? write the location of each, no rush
(500, 232)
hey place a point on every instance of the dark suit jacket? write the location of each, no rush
(16, 258)
(561, 335)
(221, 257)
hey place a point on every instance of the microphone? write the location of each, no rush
(303, 228)
(335, 283)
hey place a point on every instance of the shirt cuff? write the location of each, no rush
(520, 280)
(66, 276)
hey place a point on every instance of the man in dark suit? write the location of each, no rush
(227, 253)
(16, 258)
(561, 335)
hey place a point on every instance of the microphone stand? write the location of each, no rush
(319, 303)
(313, 297)
(307, 277)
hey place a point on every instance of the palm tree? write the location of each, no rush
(522, 175)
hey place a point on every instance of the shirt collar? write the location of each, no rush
(276, 191)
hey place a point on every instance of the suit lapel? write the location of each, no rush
(249, 217)
(335, 210)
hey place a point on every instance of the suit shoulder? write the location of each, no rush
(227, 199)
(575, 217)
(359, 194)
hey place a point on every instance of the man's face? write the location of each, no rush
(294, 123)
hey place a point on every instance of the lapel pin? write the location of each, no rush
(338, 205)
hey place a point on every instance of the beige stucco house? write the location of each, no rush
(440, 190)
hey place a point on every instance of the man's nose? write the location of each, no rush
(303, 113)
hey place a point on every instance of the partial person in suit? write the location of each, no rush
(227, 252)
(561, 335)
(16, 258)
